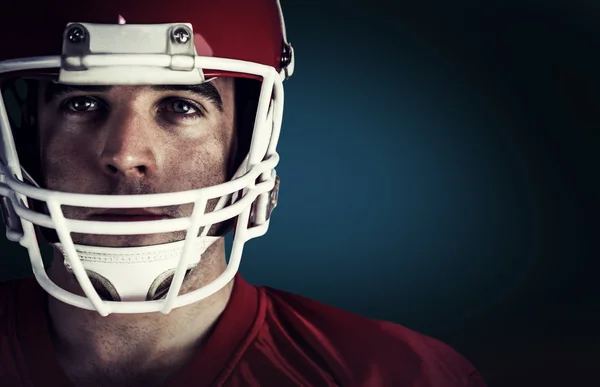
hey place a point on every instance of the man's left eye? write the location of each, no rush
(182, 107)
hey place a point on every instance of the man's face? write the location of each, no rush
(124, 140)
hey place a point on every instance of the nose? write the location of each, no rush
(128, 149)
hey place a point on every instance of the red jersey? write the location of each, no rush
(265, 337)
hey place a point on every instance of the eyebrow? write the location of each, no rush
(205, 90)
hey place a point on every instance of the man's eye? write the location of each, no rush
(80, 104)
(182, 108)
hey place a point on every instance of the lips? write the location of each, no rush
(128, 215)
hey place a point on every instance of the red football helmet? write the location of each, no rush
(129, 42)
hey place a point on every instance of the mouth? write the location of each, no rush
(127, 215)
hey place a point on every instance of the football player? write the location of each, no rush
(134, 137)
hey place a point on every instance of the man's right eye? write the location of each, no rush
(80, 105)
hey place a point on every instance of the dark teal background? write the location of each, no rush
(439, 169)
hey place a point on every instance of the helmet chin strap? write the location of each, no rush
(135, 273)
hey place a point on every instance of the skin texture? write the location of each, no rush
(135, 140)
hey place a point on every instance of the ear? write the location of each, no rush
(233, 152)
(247, 92)
(25, 130)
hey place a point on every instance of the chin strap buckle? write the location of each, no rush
(273, 198)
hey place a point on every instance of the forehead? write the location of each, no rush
(216, 90)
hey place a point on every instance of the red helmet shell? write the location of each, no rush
(249, 30)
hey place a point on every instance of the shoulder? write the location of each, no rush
(15, 296)
(8, 295)
(12, 295)
(356, 348)
(10, 350)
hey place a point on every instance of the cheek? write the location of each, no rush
(200, 163)
(63, 160)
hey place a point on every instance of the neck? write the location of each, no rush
(151, 341)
